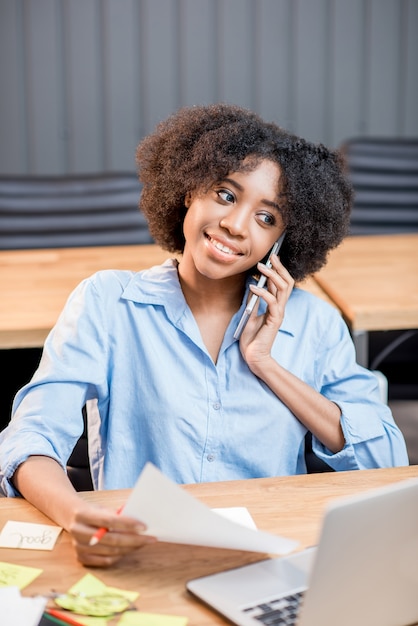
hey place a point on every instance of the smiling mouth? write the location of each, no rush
(220, 246)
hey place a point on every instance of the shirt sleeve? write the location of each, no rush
(372, 439)
(47, 412)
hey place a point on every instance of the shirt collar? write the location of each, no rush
(159, 285)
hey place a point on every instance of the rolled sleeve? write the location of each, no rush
(372, 438)
(20, 454)
(47, 412)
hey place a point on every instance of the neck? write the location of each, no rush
(212, 303)
(204, 294)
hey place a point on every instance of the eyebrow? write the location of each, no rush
(270, 203)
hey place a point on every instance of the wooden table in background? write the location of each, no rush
(35, 284)
(291, 506)
(373, 280)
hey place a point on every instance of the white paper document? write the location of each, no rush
(173, 515)
(237, 514)
(19, 611)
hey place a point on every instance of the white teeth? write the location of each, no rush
(221, 247)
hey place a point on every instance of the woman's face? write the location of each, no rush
(233, 225)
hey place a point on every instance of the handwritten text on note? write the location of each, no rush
(28, 536)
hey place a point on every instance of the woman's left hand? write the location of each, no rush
(261, 330)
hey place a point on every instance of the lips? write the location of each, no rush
(222, 247)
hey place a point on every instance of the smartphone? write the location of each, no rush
(261, 282)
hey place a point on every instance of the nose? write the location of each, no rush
(235, 222)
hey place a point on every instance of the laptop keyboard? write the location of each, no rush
(283, 611)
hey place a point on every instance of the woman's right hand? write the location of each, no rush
(124, 534)
(59, 501)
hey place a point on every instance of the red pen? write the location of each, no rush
(100, 532)
(64, 617)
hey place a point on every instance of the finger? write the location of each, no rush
(272, 275)
(111, 548)
(87, 523)
(107, 519)
(115, 539)
(272, 288)
(93, 559)
(270, 295)
(283, 273)
(121, 540)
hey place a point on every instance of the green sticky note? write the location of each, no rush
(129, 595)
(90, 585)
(99, 606)
(90, 596)
(17, 575)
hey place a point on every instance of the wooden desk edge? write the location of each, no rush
(292, 506)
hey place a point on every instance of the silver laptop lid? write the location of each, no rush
(364, 571)
(366, 566)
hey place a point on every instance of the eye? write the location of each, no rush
(225, 195)
(267, 218)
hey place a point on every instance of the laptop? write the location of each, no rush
(363, 572)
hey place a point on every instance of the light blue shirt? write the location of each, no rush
(129, 345)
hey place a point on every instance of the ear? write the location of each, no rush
(187, 199)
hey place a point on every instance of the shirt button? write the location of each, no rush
(210, 457)
(216, 406)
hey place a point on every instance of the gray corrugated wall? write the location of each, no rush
(83, 80)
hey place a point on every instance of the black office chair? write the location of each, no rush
(72, 210)
(78, 466)
(64, 211)
(314, 465)
(384, 173)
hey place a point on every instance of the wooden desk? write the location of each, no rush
(291, 506)
(373, 280)
(34, 284)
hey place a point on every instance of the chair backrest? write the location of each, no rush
(65, 211)
(78, 465)
(384, 173)
(70, 211)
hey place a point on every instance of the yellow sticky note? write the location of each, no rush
(102, 605)
(90, 585)
(90, 596)
(129, 595)
(17, 575)
(134, 618)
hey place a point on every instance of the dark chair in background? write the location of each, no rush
(73, 210)
(78, 466)
(64, 211)
(384, 173)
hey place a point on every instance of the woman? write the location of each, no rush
(153, 354)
